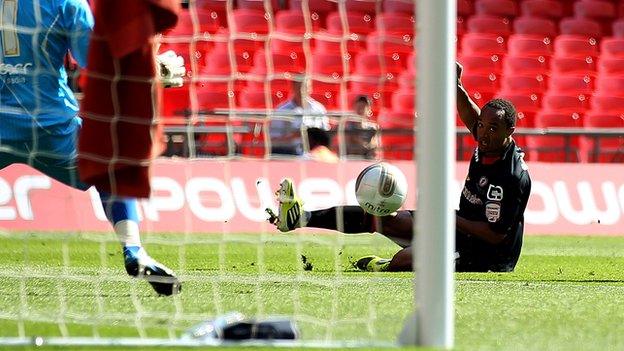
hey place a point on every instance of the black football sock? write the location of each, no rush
(354, 219)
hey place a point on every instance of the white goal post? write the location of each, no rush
(432, 325)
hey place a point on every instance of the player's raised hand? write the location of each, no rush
(460, 69)
(171, 68)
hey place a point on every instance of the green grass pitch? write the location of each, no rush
(567, 293)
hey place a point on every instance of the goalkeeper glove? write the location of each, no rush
(171, 68)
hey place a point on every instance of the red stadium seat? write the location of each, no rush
(526, 65)
(580, 26)
(603, 148)
(481, 87)
(483, 44)
(206, 22)
(295, 49)
(210, 100)
(465, 8)
(257, 99)
(395, 23)
(329, 99)
(527, 105)
(400, 6)
(216, 5)
(565, 103)
(607, 104)
(598, 10)
(613, 86)
(617, 28)
(398, 47)
(480, 64)
(322, 6)
(612, 47)
(488, 25)
(358, 23)
(328, 42)
(330, 64)
(554, 148)
(328, 94)
(365, 6)
(175, 102)
(501, 8)
(280, 63)
(411, 63)
(244, 49)
(571, 84)
(214, 142)
(551, 9)
(529, 45)
(611, 66)
(281, 87)
(407, 80)
(249, 21)
(246, 22)
(575, 46)
(367, 63)
(318, 9)
(293, 22)
(404, 101)
(535, 26)
(260, 5)
(524, 83)
(566, 65)
(397, 136)
(218, 62)
(377, 87)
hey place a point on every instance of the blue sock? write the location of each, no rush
(131, 251)
(123, 215)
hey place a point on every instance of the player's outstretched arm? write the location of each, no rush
(468, 110)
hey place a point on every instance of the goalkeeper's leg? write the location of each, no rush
(55, 156)
(122, 213)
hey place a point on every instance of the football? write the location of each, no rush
(381, 189)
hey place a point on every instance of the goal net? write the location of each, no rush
(230, 141)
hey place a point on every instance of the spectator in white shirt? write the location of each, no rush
(300, 110)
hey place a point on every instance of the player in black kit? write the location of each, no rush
(490, 219)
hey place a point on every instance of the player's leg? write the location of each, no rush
(123, 215)
(55, 156)
(400, 262)
(346, 219)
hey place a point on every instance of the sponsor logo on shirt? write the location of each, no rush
(472, 198)
(492, 211)
(495, 193)
(20, 68)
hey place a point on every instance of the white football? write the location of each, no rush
(381, 189)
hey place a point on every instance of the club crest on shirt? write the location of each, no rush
(492, 211)
(483, 181)
(495, 193)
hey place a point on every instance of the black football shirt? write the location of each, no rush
(495, 191)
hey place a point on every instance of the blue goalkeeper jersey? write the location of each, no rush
(35, 38)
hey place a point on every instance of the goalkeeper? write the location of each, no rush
(38, 112)
(490, 219)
